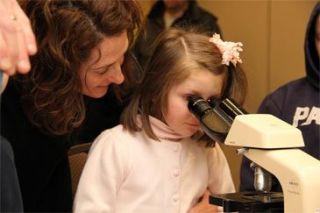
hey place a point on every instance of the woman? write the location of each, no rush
(71, 92)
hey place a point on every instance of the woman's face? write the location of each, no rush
(99, 72)
(201, 83)
(317, 36)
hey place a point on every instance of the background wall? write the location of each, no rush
(272, 32)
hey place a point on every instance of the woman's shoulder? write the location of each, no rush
(12, 91)
(12, 114)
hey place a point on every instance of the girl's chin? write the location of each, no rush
(188, 134)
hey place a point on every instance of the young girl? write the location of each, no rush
(156, 161)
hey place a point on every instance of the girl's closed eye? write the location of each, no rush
(187, 97)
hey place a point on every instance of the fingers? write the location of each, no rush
(17, 41)
(5, 55)
(205, 197)
(22, 62)
(5, 61)
(28, 35)
(211, 207)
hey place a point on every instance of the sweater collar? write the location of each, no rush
(162, 130)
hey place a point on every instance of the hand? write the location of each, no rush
(204, 207)
(17, 41)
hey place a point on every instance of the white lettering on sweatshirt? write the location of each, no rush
(307, 116)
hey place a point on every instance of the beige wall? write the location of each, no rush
(272, 32)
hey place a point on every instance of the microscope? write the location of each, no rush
(273, 147)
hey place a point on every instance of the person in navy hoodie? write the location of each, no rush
(297, 102)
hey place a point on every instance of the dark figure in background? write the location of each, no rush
(76, 88)
(10, 197)
(297, 102)
(173, 13)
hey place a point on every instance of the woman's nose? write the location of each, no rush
(117, 76)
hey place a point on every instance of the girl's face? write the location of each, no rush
(99, 72)
(201, 83)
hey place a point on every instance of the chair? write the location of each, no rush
(77, 159)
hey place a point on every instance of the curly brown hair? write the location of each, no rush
(66, 33)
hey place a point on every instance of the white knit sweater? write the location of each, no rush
(128, 173)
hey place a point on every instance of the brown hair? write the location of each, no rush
(176, 54)
(66, 33)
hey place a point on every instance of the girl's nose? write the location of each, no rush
(194, 119)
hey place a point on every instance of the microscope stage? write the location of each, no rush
(249, 201)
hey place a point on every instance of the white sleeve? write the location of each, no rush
(220, 179)
(102, 175)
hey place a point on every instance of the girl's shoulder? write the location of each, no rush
(117, 136)
(117, 133)
(115, 139)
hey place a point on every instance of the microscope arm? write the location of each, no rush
(298, 174)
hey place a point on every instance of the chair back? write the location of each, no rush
(77, 159)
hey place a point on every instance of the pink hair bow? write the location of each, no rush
(230, 50)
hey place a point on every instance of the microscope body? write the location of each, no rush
(274, 145)
(269, 143)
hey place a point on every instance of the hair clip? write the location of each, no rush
(230, 50)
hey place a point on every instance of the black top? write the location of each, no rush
(41, 159)
(194, 16)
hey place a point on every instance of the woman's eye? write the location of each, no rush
(102, 72)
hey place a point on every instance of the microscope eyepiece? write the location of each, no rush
(215, 116)
(198, 106)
